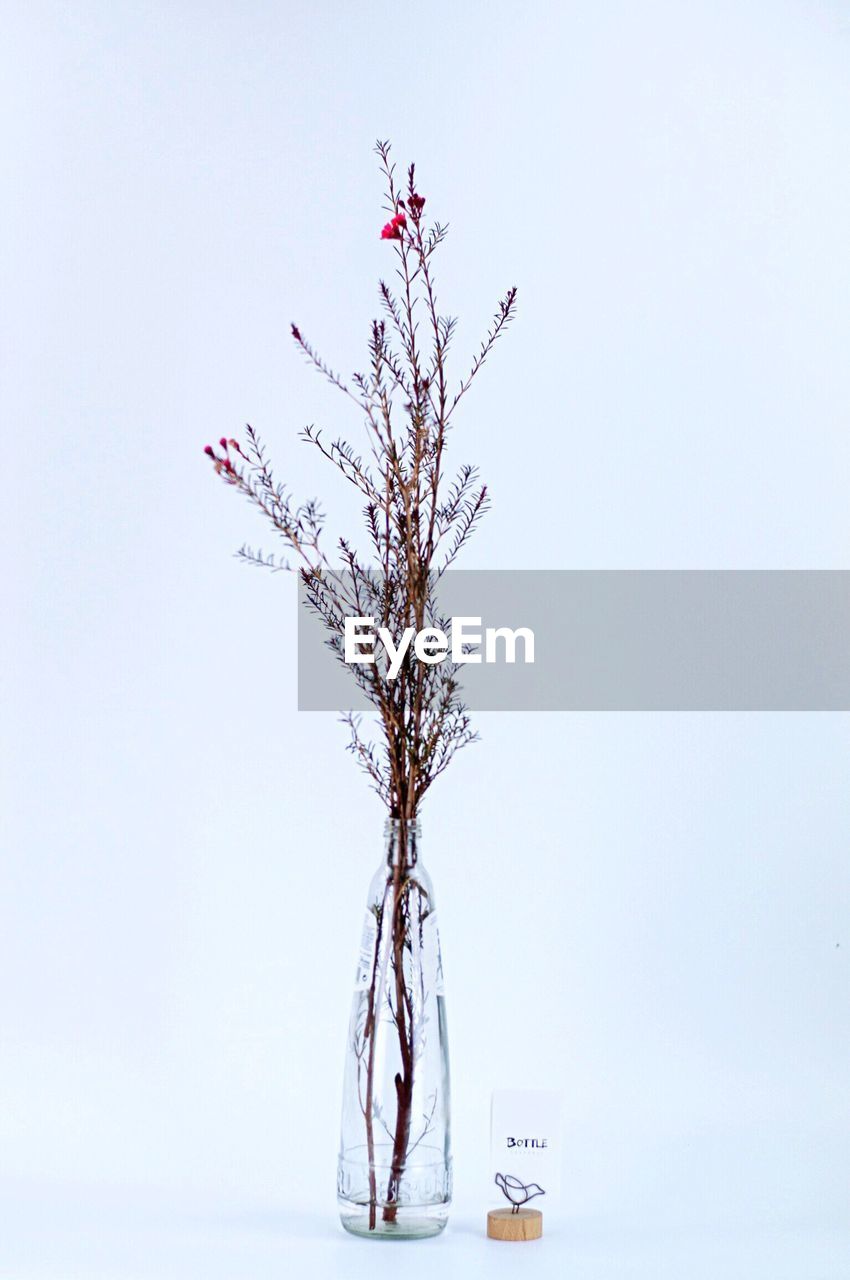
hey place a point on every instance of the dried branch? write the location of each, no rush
(417, 522)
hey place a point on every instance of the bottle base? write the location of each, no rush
(416, 1222)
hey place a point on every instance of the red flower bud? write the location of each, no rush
(223, 442)
(209, 451)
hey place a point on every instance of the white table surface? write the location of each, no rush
(120, 1237)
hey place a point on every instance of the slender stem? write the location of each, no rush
(404, 1025)
(369, 1030)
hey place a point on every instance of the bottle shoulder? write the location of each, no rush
(412, 880)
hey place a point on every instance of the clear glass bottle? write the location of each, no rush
(395, 1174)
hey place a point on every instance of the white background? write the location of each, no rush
(184, 856)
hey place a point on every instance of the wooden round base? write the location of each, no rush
(504, 1224)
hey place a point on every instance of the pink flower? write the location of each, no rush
(392, 230)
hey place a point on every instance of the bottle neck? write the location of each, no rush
(401, 842)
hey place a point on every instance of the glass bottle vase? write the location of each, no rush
(394, 1176)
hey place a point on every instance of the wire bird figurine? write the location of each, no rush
(519, 1193)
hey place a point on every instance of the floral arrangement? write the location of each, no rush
(417, 517)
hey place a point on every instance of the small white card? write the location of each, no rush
(525, 1147)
